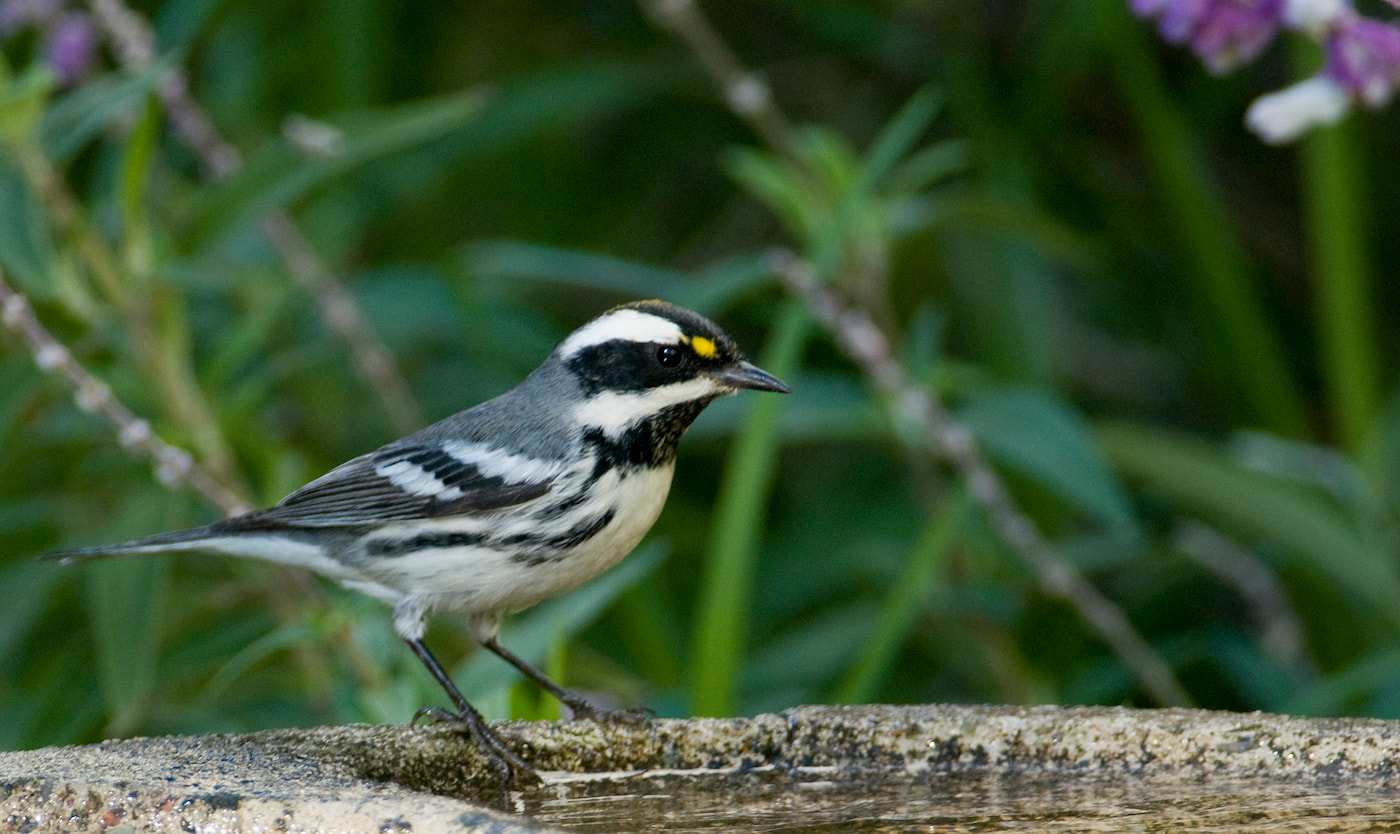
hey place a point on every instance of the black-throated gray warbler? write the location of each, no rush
(498, 507)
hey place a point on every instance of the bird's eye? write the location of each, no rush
(669, 356)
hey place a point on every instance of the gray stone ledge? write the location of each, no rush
(396, 778)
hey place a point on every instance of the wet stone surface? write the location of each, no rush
(973, 802)
(813, 769)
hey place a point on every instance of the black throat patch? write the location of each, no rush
(650, 442)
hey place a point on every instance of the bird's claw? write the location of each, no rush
(583, 710)
(514, 771)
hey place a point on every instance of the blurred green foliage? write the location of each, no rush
(1173, 342)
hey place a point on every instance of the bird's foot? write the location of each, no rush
(583, 710)
(514, 771)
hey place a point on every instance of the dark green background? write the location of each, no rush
(1176, 344)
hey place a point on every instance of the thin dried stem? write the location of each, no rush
(373, 359)
(860, 336)
(1281, 631)
(115, 279)
(173, 465)
(134, 43)
(862, 340)
(747, 93)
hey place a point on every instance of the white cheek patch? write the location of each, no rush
(493, 462)
(415, 480)
(616, 411)
(625, 326)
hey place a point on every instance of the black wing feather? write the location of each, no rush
(354, 493)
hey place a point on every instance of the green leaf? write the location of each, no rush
(1042, 438)
(126, 598)
(929, 165)
(81, 115)
(710, 291)
(1302, 521)
(1240, 659)
(278, 640)
(137, 160)
(1379, 462)
(720, 284)
(1236, 329)
(29, 586)
(721, 618)
(22, 103)
(408, 304)
(1341, 691)
(811, 652)
(897, 139)
(775, 183)
(652, 628)
(904, 601)
(571, 267)
(282, 174)
(53, 706)
(26, 247)
(823, 407)
(175, 24)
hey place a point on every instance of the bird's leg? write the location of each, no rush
(580, 707)
(514, 769)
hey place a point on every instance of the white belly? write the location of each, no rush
(639, 500)
(477, 579)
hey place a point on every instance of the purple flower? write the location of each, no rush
(16, 14)
(1236, 32)
(72, 45)
(1363, 56)
(69, 39)
(1222, 33)
(1175, 18)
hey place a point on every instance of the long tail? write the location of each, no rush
(316, 550)
(178, 541)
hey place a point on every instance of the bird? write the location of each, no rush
(518, 499)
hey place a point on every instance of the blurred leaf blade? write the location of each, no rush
(127, 598)
(719, 633)
(1044, 439)
(1305, 523)
(898, 614)
(281, 175)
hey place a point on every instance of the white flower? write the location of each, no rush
(1287, 114)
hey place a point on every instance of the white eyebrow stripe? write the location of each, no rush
(616, 411)
(415, 480)
(624, 325)
(494, 462)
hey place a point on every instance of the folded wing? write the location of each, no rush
(398, 483)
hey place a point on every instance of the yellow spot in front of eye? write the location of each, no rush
(703, 347)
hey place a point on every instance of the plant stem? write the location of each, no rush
(902, 607)
(726, 588)
(1248, 352)
(1334, 206)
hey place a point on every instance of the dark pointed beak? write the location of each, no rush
(747, 375)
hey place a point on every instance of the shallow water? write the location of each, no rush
(816, 802)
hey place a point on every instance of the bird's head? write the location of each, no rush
(651, 360)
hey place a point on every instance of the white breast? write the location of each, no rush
(638, 499)
(482, 579)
